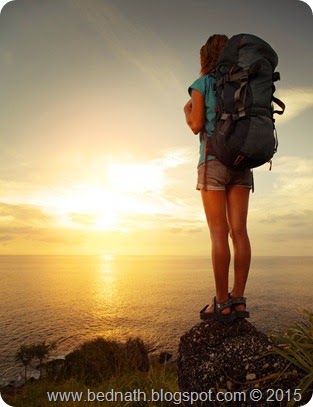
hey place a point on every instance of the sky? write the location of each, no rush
(96, 156)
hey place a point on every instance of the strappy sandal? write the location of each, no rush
(217, 314)
(239, 301)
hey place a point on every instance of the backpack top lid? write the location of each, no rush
(245, 49)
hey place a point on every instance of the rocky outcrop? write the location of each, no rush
(236, 363)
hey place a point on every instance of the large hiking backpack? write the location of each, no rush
(245, 135)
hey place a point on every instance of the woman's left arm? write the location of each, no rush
(195, 112)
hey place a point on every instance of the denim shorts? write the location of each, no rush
(213, 175)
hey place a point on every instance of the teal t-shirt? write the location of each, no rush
(205, 85)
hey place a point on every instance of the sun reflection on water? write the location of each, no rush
(107, 263)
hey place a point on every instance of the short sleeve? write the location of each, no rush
(199, 85)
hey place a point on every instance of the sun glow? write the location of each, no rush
(124, 190)
(109, 221)
(107, 195)
(136, 178)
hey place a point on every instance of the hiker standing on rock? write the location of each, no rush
(225, 194)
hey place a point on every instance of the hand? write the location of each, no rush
(195, 111)
(188, 106)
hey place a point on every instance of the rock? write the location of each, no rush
(14, 386)
(216, 357)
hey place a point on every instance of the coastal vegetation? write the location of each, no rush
(296, 345)
(27, 355)
(101, 371)
(98, 368)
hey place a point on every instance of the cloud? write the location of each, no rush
(23, 215)
(173, 159)
(293, 178)
(129, 41)
(83, 219)
(22, 222)
(297, 100)
(290, 226)
(5, 238)
(284, 214)
(129, 195)
(166, 221)
(295, 181)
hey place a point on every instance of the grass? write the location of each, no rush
(97, 367)
(296, 346)
(158, 377)
(101, 365)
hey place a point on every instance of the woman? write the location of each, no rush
(225, 195)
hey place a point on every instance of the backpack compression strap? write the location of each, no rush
(276, 77)
(241, 92)
(280, 104)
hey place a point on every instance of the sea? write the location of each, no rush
(71, 299)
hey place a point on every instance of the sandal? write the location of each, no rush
(239, 301)
(217, 314)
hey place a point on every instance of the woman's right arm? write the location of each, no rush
(195, 112)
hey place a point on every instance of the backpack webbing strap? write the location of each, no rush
(232, 77)
(259, 111)
(229, 77)
(228, 119)
(241, 93)
(280, 104)
(276, 140)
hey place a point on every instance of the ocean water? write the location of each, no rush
(74, 298)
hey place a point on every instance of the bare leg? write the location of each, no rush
(215, 203)
(237, 210)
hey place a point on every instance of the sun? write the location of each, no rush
(113, 198)
(137, 178)
(107, 221)
(107, 204)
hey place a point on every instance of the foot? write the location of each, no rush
(239, 305)
(210, 309)
(219, 311)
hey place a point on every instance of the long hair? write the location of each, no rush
(210, 52)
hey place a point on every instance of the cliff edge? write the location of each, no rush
(236, 365)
